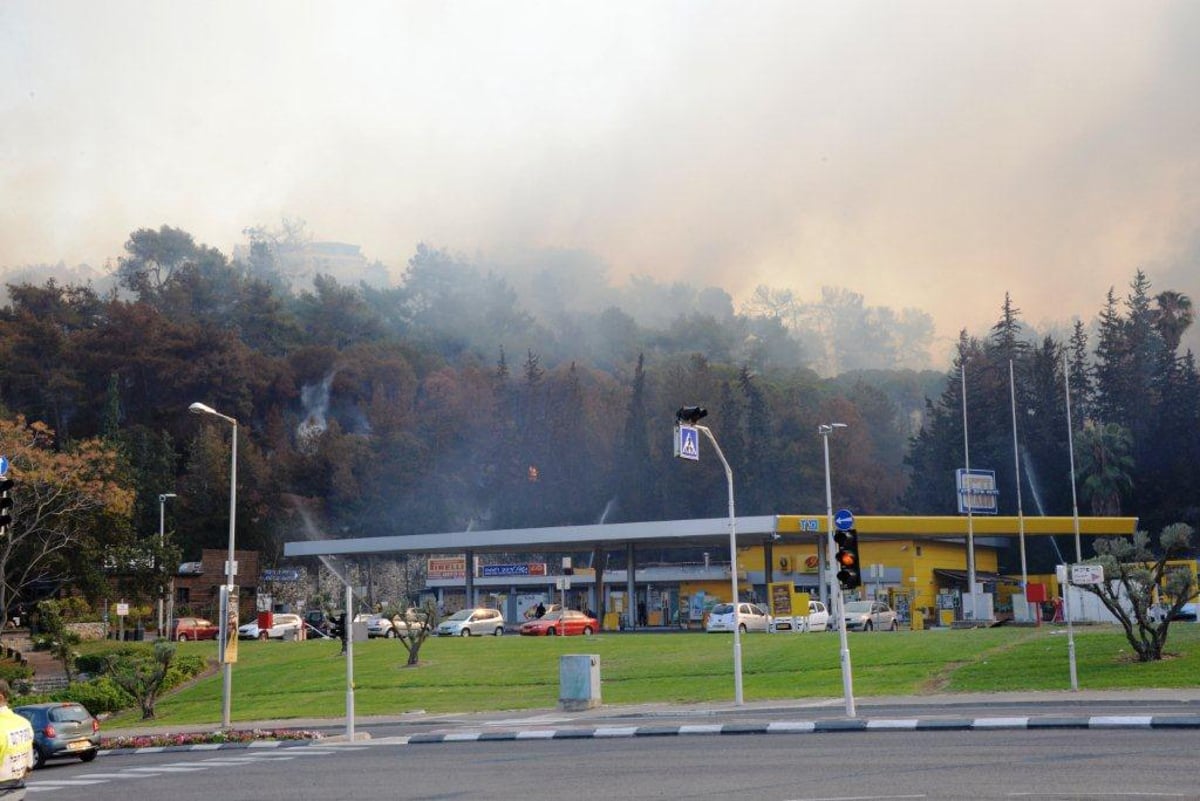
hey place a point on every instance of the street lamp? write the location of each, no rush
(835, 592)
(227, 666)
(162, 502)
(690, 415)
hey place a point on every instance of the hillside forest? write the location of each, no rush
(452, 401)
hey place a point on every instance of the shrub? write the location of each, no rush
(14, 671)
(99, 695)
(96, 662)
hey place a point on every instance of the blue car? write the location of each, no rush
(61, 729)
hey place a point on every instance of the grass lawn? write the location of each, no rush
(308, 679)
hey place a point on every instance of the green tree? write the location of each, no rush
(69, 506)
(1104, 466)
(1133, 578)
(143, 677)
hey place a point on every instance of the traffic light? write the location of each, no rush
(849, 569)
(6, 502)
(691, 414)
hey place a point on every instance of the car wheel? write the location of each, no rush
(587, 630)
(88, 756)
(391, 634)
(262, 635)
(183, 638)
(550, 632)
(39, 759)
(464, 633)
(499, 631)
(868, 626)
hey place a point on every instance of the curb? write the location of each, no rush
(832, 726)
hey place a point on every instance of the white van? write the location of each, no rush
(466, 622)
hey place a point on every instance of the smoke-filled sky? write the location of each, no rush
(923, 154)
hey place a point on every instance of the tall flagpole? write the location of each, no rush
(1012, 391)
(966, 495)
(1071, 451)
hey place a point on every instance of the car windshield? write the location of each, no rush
(461, 614)
(64, 714)
(858, 607)
(551, 616)
(722, 609)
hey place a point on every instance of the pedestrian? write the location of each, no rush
(540, 611)
(16, 747)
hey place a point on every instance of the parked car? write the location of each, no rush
(193, 628)
(281, 623)
(1186, 612)
(61, 729)
(317, 621)
(817, 620)
(868, 615)
(554, 623)
(747, 617)
(381, 626)
(466, 622)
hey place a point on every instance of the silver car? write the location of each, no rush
(747, 617)
(868, 615)
(466, 622)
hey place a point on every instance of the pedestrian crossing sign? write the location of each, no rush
(687, 443)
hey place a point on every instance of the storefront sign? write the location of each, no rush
(446, 567)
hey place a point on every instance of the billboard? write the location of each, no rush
(977, 491)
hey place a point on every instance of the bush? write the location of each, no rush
(14, 671)
(99, 695)
(95, 663)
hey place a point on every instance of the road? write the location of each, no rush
(863, 766)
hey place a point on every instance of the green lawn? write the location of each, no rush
(308, 679)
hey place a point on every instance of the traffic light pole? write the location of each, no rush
(834, 589)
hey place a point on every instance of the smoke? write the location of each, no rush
(927, 156)
(315, 399)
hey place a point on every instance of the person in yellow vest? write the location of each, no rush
(16, 749)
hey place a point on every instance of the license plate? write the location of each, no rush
(78, 745)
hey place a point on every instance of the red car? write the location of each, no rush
(568, 622)
(193, 628)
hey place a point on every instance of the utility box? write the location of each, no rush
(578, 682)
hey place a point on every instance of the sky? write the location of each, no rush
(926, 154)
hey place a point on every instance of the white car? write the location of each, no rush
(869, 616)
(466, 622)
(381, 626)
(817, 620)
(747, 617)
(280, 624)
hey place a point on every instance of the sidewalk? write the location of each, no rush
(798, 715)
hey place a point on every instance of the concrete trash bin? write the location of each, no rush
(578, 682)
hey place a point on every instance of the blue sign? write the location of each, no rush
(687, 443)
(491, 571)
(281, 574)
(844, 520)
(3, 465)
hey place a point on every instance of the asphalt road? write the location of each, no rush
(863, 766)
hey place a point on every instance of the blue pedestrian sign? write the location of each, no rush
(3, 465)
(687, 443)
(844, 520)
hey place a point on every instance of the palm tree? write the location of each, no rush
(1172, 317)
(1105, 466)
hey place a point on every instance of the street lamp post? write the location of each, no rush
(227, 667)
(691, 415)
(835, 592)
(162, 502)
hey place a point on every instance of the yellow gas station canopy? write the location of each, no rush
(956, 525)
